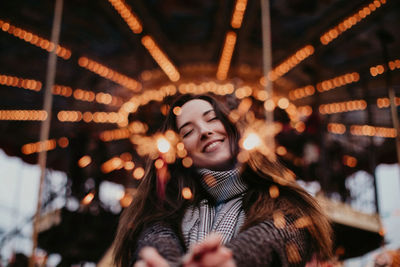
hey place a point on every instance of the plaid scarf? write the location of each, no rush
(226, 217)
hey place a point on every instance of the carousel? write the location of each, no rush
(85, 86)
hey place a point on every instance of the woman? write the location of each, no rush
(261, 217)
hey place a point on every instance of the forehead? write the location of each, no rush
(192, 110)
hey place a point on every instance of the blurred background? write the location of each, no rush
(328, 71)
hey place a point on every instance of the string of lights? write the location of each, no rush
(18, 82)
(34, 39)
(350, 21)
(380, 69)
(226, 56)
(110, 74)
(362, 130)
(384, 102)
(96, 117)
(238, 13)
(46, 145)
(344, 106)
(23, 115)
(126, 13)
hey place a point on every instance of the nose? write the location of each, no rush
(205, 132)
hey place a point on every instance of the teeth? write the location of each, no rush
(211, 146)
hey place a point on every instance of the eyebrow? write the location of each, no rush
(187, 123)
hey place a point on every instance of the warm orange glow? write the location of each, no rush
(187, 193)
(36, 147)
(349, 161)
(367, 130)
(238, 13)
(126, 13)
(34, 39)
(126, 200)
(109, 74)
(336, 128)
(84, 161)
(87, 199)
(112, 164)
(187, 162)
(13, 81)
(273, 191)
(346, 106)
(281, 150)
(291, 62)
(177, 111)
(23, 115)
(138, 173)
(159, 163)
(283, 103)
(161, 58)
(226, 56)
(350, 21)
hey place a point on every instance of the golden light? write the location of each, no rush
(273, 191)
(336, 128)
(23, 115)
(129, 165)
(87, 199)
(238, 13)
(269, 105)
(63, 142)
(159, 163)
(138, 173)
(126, 200)
(177, 111)
(349, 161)
(279, 219)
(283, 103)
(187, 193)
(281, 150)
(109, 74)
(126, 13)
(161, 58)
(112, 164)
(163, 145)
(350, 21)
(226, 56)
(34, 39)
(187, 162)
(251, 141)
(18, 82)
(84, 161)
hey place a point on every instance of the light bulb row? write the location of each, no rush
(34, 39)
(291, 62)
(126, 13)
(345, 106)
(161, 58)
(14, 81)
(109, 74)
(46, 145)
(23, 115)
(350, 21)
(379, 69)
(226, 55)
(384, 102)
(362, 130)
(238, 13)
(97, 117)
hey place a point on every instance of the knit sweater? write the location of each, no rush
(260, 245)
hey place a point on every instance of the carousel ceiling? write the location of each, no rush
(117, 60)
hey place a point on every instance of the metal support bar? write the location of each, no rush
(45, 128)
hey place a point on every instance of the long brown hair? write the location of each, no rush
(260, 174)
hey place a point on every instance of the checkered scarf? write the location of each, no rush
(226, 217)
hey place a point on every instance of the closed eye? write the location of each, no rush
(187, 133)
(213, 119)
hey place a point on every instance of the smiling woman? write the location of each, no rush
(238, 214)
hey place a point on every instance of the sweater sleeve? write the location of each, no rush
(164, 239)
(266, 245)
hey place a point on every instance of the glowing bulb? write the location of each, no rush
(251, 141)
(163, 145)
(187, 193)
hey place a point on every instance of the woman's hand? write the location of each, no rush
(209, 253)
(151, 258)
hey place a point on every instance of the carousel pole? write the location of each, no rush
(385, 38)
(45, 128)
(267, 60)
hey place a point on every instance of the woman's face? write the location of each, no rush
(204, 135)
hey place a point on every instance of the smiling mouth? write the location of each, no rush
(210, 147)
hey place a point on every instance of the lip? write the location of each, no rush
(210, 143)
